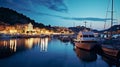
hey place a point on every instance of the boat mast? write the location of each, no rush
(112, 14)
(111, 19)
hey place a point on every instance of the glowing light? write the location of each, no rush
(44, 44)
(13, 44)
(29, 43)
(5, 43)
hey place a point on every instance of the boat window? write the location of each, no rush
(89, 42)
(91, 35)
(81, 36)
(85, 35)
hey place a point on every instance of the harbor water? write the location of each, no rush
(47, 52)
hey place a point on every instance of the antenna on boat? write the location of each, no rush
(85, 29)
(73, 24)
(85, 24)
(90, 25)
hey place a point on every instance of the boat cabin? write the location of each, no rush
(88, 36)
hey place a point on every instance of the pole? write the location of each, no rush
(85, 24)
(111, 19)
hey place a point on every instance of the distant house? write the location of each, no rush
(24, 28)
(2, 27)
(28, 28)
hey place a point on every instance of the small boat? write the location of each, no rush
(43, 36)
(86, 40)
(5, 36)
(65, 38)
(111, 48)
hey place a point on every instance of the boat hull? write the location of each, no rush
(110, 51)
(85, 46)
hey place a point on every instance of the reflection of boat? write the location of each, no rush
(85, 55)
(109, 46)
(111, 61)
(85, 40)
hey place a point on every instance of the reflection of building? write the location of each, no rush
(9, 44)
(44, 44)
(13, 44)
(29, 43)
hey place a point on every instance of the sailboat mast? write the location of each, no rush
(112, 14)
(111, 18)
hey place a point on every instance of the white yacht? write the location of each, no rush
(85, 40)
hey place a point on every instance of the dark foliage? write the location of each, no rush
(12, 17)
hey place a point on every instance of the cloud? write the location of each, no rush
(76, 19)
(87, 19)
(56, 5)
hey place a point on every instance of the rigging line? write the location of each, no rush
(116, 15)
(106, 13)
(116, 18)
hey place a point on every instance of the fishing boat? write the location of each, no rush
(85, 40)
(109, 46)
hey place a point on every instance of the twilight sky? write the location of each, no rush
(66, 12)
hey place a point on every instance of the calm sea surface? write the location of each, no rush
(46, 52)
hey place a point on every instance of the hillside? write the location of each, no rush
(113, 28)
(12, 17)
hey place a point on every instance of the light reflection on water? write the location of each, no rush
(44, 44)
(13, 44)
(8, 47)
(46, 52)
